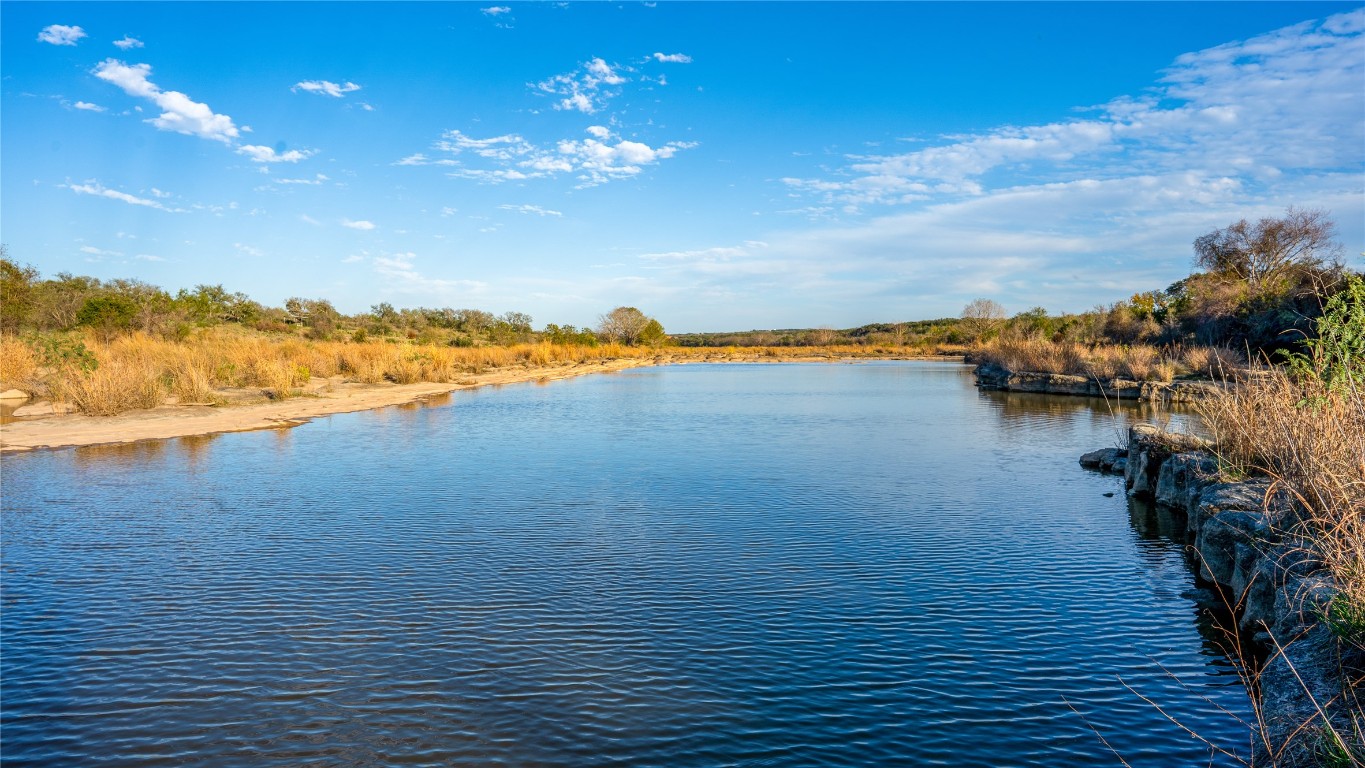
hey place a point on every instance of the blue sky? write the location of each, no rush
(722, 166)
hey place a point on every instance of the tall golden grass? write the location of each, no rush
(18, 364)
(113, 388)
(216, 359)
(1138, 362)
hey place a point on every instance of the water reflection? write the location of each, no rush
(90, 456)
(1028, 410)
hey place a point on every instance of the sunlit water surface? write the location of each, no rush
(756, 565)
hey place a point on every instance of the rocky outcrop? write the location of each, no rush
(1237, 540)
(991, 376)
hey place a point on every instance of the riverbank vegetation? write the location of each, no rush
(1303, 425)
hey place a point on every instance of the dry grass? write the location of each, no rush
(18, 365)
(216, 359)
(113, 388)
(192, 382)
(1138, 362)
(1311, 442)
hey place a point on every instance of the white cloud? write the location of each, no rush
(496, 10)
(535, 209)
(98, 190)
(306, 219)
(248, 250)
(260, 154)
(87, 106)
(326, 88)
(1284, 102)
(448, 211)
(181, 114)
(148, 257)
(673, 58)
(158, 193)
(361, 225)
(352, 259)
(61, 34)
(93, 251)
(594, 160)
(128, 43)
(586, 89)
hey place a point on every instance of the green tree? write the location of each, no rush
(18, 297)
(108, 314)
(653, 334)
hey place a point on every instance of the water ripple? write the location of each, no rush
(703, 565)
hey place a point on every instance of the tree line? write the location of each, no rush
(30, 304)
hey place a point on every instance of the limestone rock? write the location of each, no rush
(1182, 478)
(14, 394)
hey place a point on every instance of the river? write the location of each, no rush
(695, 565)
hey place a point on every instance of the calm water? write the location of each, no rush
(783, 565)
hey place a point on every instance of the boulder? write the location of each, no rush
(1182, 478)
(1105, 460)
(14, 394)
(992, 376)
(1217, 545)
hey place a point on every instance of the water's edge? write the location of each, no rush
(1233, 533)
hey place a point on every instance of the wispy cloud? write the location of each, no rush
(326, 88)
(128, 43)
(586, 89)
(400, 275)
(98, 190)
(500, 14)
(261, 154)
(1286, 102)
(148, 257)
(361, 224)
(673, 58)
(181, 114)
(61, 34)
(603, 157)
(88, 107)
(93, 251)
(315, 181)
(530, 209)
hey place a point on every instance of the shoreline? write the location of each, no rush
(59, 431)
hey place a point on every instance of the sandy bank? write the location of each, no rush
(70, 430)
